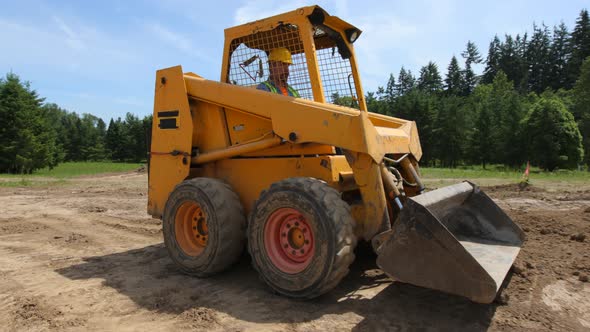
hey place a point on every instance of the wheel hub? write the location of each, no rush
(289, 240)
(192, 231)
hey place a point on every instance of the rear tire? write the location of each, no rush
(300, 237)
(204, 226)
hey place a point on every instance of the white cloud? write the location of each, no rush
(72, 39)
(178, 41)
(175, 39)
(254, 10)
(383, 36)
(56, 44)
(383, 39)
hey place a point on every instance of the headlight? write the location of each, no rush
(352, 35)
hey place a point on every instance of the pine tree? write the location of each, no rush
(389, 95)
(581, 108)
(390, 89)
(421, 107)
(73, 127)
(560, 52)
(430, 80)
(405, 82)
(508, 113)
(372, 102)
(28, 142)
(452, 131)
(454, 80)
(471, 56)
(54, 116)
(115, 140)
(135, 138)
(481, 148)
(492, 61)
(101, 127)
(538, 58)
(92, 142)
(580, 45)
(512, 62)
(521, 74)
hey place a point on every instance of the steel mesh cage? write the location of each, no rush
(249, 58)
(337, 80)
(249, 63)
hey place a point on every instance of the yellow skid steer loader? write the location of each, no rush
(283, 153)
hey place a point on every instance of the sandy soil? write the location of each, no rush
(86, 256)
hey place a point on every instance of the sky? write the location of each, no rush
(100, 57)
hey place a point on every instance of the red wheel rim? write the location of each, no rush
(288, 240)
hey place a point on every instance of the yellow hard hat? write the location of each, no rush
(280, 54)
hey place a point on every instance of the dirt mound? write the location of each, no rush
(31, 313)
(200, 318)
(514, 190)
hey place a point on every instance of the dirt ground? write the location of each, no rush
(86, 256)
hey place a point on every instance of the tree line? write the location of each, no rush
(36, 135)
(532, 102)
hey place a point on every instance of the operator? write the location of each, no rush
(279, 61)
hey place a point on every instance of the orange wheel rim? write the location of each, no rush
(191, 229)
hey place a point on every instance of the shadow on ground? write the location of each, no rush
(149, 278)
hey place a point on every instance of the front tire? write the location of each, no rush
(300, 237)
(204, 226)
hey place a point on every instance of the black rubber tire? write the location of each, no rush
(225, 219)
(333, 227)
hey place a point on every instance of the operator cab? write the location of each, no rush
(323, 65)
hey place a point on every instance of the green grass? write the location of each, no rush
(500, 173)
(60, 174)
(68, 170)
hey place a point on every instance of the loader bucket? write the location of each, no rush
(454, 239)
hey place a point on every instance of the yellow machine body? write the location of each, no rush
(250, 139)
